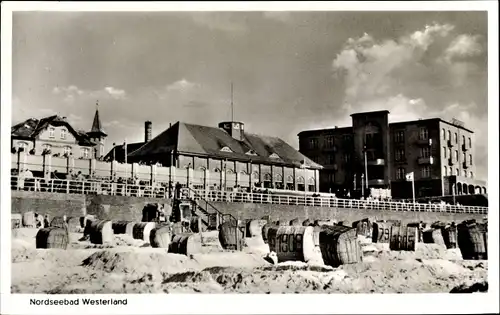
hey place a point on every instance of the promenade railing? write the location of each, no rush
(161, 190)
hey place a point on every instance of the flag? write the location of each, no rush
(409, 176)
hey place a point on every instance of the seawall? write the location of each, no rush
(287, 213)
(130, 208)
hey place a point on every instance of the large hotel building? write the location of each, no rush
(439, 153)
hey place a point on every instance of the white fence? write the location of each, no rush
(162, 190)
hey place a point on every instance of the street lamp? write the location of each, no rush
(303, 166)
(363, 185)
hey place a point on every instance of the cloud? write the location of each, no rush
(408, 77)
(221, 21)
(70, 93)
(115, 93)
(463, 46)
(374, 72)
(69, 90)
(181, 85)
(426, 37)
(281, 16)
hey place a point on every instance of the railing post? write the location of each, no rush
(67, 186)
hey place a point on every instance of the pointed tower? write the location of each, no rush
(97, 134)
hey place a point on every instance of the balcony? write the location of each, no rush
(464, 147)
(332, 148)
(376, 162)
(400, 161)
(424, 142)
(425, 160)
(450, 144)
(375, 182)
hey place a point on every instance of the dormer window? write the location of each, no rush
(251, 152)
(52, 132)
(226, 149)
(274, 156)
(63, 133)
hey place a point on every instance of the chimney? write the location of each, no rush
(148, 127)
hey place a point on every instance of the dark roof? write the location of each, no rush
(376, 112)
(119, 154)
(399, 123)
(97, 126)
(208, 141)
(336, 130)
(429, 120)
(31, 128)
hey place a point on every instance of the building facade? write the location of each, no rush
(268, 162)
(56, 136)
(440, 155)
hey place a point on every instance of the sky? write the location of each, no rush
(291, 71)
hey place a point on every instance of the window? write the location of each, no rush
(399, 137)
(401, 173)
(426, 172)
(400, 155)
(67, 150)
(226, 149)
(85, 153)
(331, 159)
(424, 133)
(347, 158)
(465, 173)
(464, 157)
(425, 152)
(313, 143)
(449, 135)
(443, 134)
(456, 138)
(449, 153)
(470, 159)
(471, 175)
(463, 140)
(278, 182)
(445, 171)
(470, 143)
(51, 132)
(63, 133)
(311, 184)
(458, 172)
(329, 142)
(456, 155)
(274, 156)
(451, 171)
(444, 152)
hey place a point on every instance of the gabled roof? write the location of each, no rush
(208, 141)
(31, 128)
